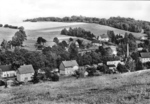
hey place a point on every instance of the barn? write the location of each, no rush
(25, 73)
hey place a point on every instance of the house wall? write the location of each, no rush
(8, 74)
(103, 39)
(69, 71)
(62, 69)
(144, 60)
(24, 77)
(66, 71)
(113, 63)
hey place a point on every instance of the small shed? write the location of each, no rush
(25, 73)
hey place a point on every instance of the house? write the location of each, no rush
(140, 48)
(145, 57)
(112, 67)
(96, 43)
(68, 67)
(115, 62)
(7, 71)
(25, 73)
(143, 38)
(103, 38)
(83, 51)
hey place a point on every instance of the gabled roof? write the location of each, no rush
(103, 36)
(6, 68)
(70, 63)
(26, 69)
(145, 55)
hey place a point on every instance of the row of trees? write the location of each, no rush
(78, 32)
(128, 24)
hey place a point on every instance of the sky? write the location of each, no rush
(12, 11)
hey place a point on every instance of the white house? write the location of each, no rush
(143, 38)
(25, 73)
(103, 38)
(113, 62)
(145, 57)
(68, 67)
(7, 71)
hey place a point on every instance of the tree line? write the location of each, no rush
(128, 24)
(78, 32)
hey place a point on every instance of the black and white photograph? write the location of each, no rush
(74, 52)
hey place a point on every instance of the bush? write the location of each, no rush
(1, 25)
(55, 77)
(122, 68)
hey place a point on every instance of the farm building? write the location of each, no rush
(145, 57)
(103, 38)
(7, 71)
(25, 73)
(96, 43)
(68, 67)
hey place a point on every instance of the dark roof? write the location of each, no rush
(104, 36)
(111, 65)
(70, 63)
(145, 55)
(26, 69)
(6, 68)
(96, 41)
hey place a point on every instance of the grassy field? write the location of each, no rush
(49, 30)
(128, 88)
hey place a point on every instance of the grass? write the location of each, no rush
(128, 88)
(49, 30)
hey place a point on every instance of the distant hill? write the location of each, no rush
(49, 30)
(128, 24)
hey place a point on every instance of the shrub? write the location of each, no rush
(122, 68)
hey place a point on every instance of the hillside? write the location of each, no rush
(49, 30)
(128, 88)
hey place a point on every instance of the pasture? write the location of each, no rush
(127, 88)
(49, 30)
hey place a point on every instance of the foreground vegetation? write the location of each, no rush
(128, 88)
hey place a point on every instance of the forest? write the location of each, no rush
(128, 24)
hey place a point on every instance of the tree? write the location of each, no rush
(111, 36)
(46, 50)
(4, 44)
(95, 58)
(122, 68)
(87, 59)
(56, 40)
(41, 40)
(73, 51)
(64, 43)
(139, 65)
(19, 37)
(64, 31)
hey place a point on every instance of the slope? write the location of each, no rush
(128, 88)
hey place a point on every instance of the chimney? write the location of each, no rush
(127, 55)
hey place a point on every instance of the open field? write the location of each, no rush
(128, 88)
(49, 30)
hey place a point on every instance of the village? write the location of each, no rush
(105, 54)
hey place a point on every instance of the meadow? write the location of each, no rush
(49, 30)
(128, 88)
